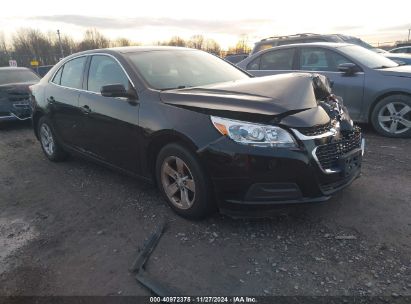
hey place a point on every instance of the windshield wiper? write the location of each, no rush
(383, 67)
(175, 88)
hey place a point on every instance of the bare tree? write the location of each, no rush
(93, 40)
(4, 51)
(211, 46)
(196, 42)
(241, 47)
(177, 41)
(30, 44)
(121, 42)
(67, 44)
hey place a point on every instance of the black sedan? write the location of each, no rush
(207, 133)
(14, 93)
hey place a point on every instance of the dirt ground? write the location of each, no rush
(74, 228)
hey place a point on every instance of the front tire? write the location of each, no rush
(392, 116)
(49, 144)
(183, 182)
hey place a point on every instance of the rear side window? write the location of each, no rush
(278, 60)
(255, 64)
(104, 70)
(57, 77)
(72, 74)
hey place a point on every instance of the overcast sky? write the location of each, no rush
(225, 21)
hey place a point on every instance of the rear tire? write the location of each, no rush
(51, 148)
(391, 116)
(183, 182)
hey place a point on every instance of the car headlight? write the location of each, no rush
(253, 134)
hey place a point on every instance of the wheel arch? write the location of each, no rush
(36, 117)
(382, 96)
(160, 140)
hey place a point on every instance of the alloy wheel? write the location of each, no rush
(178, 182)
(47, 140)
(395, 117)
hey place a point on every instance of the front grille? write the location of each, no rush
(317, 130)
(329, 154)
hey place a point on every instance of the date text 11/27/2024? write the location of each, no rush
(203, 299)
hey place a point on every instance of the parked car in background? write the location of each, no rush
(42, 70)
(235, 58)
(375, 89)
(202, 129)
(309, 38)
(399, 58)
(14, 93)
(401, 50)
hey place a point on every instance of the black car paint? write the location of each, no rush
(126, 134)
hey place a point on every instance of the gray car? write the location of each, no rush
(375, 89)
(401, 50)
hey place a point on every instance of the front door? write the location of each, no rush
(110, 124)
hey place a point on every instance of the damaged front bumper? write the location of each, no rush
(255, 176)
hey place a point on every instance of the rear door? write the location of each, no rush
(62, 96)
(273, 62)
(110, 123)
(325, 61)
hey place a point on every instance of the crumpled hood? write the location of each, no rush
(261, 99)
(399, 71)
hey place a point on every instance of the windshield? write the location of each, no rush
(17, 76)
(368, 58)
(174, 69)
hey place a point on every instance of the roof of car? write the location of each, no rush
(134, 49)
(326, 44)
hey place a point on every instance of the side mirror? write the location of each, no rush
(348, 68)
(114, 90)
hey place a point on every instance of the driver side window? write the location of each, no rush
(320, 59)
(104, 70)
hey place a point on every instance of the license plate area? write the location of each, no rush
(350, 163)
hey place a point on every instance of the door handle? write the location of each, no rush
(51, 100)
(86, 109)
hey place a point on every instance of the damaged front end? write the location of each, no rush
(14, 103)
(286, 138)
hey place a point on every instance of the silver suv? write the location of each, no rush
(307, 38)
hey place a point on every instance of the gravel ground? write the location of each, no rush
(74, 228)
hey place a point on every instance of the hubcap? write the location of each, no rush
(178, 182)
(395, 117)
(47, 140)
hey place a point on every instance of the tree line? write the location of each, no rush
(27, 44)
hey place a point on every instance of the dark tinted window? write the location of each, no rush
(72, 75)
(291, 41)
(17, 76)
(104, 70)
(57, 77)
(255, 64)
(277, 60)
(319, 59)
